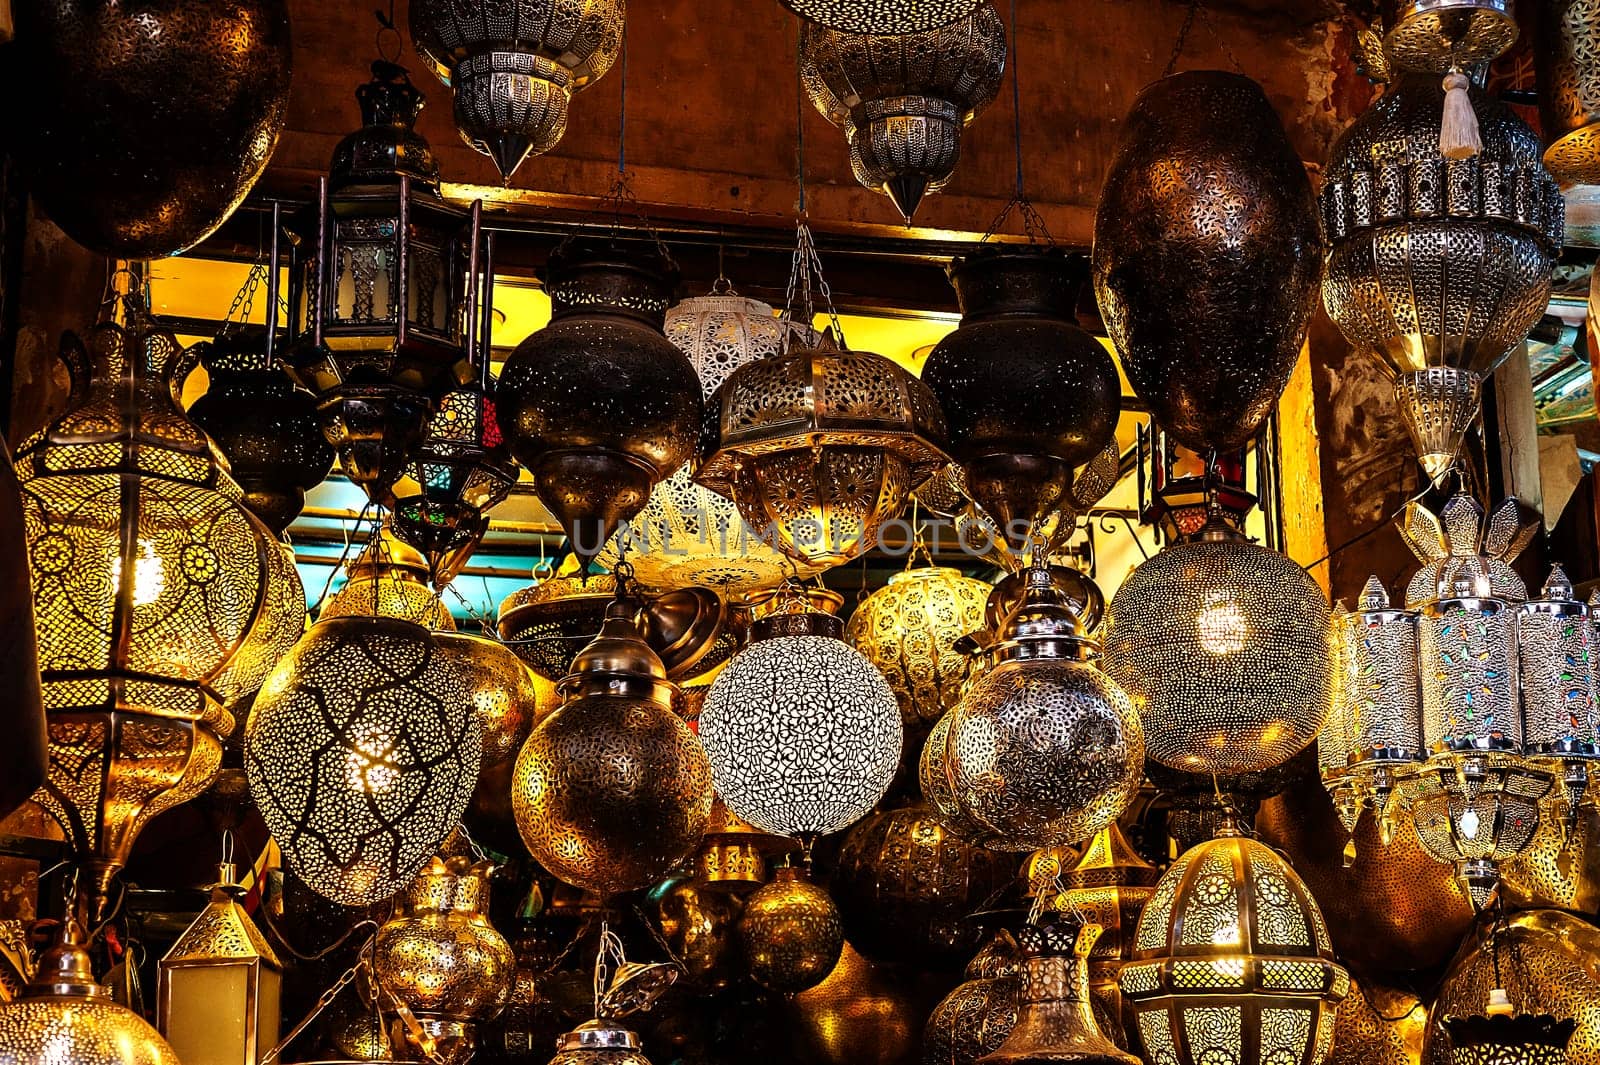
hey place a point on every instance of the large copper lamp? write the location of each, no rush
(882, 16)
(159, 598)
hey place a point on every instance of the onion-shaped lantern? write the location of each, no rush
(1232, 961)
(514, 69)
(908, 630)
(687, 534)
(903, 98)
(1224, 648)
(906, 885)
(1205, 256)
(819, 447)
(599, 405)
(159, 598)
(265, 426)
(1001, 379)
(389, 579)
(65, 1015)
(1438, 267)
(1567, 51)
(804, 735)
(979, 1014)
(791, 932)
(882, 16)
(1044, 748)
(149, 122)
(362, 750)
(379, 321)
(612, 790)
(441, 958)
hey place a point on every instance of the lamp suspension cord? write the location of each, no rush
(1016, 96)
(622, 119)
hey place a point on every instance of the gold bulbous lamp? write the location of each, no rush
(1223, 646)
(908, 630)
(65, 1015)
(1233, 945)
(159, 599)
(791, 933)
(362, 751)
(803, 734)
(612, 790)
(1044, 748)
(976, 1017)
(903, 98)
(442, 959)
(389, 579)
(882, 16)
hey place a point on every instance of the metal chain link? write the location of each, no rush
(325, 1000)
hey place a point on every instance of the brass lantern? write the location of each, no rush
(65, 1015)
(443, 960)
(218, 986)
(791, 932)
(599, 405)
(882, 16)
(1232, 961)
(389, 579)
(547, 623)
(687, 534)
(514, 70)
(380, 316)
(908, 629)
(159, 598)
(1438, 267)
(362, 751)
(903, 98)
(979, 1014)
(1569, 88)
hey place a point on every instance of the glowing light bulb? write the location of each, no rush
(369, 765)
(1222, 625)
(149, 575)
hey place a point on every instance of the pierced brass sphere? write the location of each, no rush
(908, 629)
(792, 933)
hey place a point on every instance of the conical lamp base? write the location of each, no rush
(592, 494)
(907, 191)
(509, 152)
(374, 429)
(1439, 405)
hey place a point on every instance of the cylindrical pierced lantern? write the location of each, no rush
(1556, 654)
(882, 16)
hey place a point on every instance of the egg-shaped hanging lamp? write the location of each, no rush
(908, 630)
(882, 16)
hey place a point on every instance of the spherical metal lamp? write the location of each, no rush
(791, 933)
(1223, 646)
(803, 734)
(389, 579)
(908, 630)
(903, 98)
(1044, 748)
(515, 69)
(687, 534)
(362, 751)
(612, 790)
(159, 598)
(976, 1017)
(882, 16)
(1232, 961)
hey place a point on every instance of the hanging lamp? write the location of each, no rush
(389, 579)
(1567, 66)
(882, 16)
(792, 933)
(159, 599)
(908, 630)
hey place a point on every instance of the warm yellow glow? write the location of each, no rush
(1226, 936)
(149, 575)
(1222, 626)
(369, 765)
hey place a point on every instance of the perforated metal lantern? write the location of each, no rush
(362, 750)
(903, 97)
(159, 599)
(1567, 50)
(975, 1018)
(1521, 1039)
(1438, 267)
(687, 534)
(515, 68)
(1475, 811)
(612, 790)
(1044, 748)
(1435, 36)
(908, 630)
(1460, 533)
(791, 932)
(1378, 1025)
(599, 405)
(1223, 646)
(882, 16)
(804, 735)
(379, 325)
(1205, 264)
(819, 447)
(1232, 961)
(1001, 377)
(1556, 651)
(389, 579)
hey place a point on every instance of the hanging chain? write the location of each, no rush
(325, 1000)
(608, 961)
(1033, 225)
(1198, 8)
(806, 270)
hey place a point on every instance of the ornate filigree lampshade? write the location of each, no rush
(882, 16)
(362, 751)
(908, 630)
(1223, 646)
(612, 790)
(547, 623)
(1233, 943)
(159, 598)
(903, 97)
(1459, 532)
(1556, 651)
(379, 316)
(979, 1014)
(1438, 35)
(389, 579)
(791, 932)
(1438, 267)
(687, 534)
(65, 1015)
(1567, 63)
(599, 405)
(515, 69)
(1044, 748)
(802, 732)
